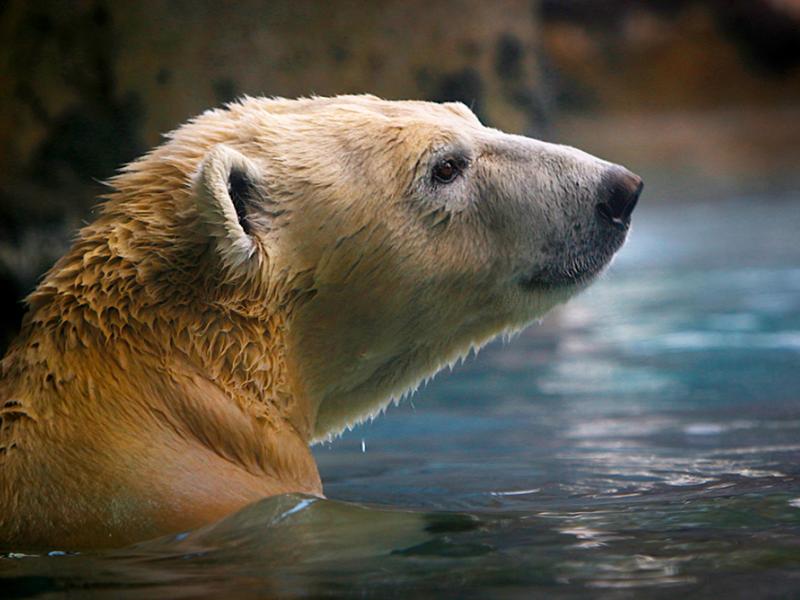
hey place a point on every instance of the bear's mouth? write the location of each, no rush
(573, 271)
(548, 279)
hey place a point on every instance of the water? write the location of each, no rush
(642, 442)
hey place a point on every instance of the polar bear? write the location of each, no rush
(276, 271)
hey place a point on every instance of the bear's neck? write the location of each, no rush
(212, 370)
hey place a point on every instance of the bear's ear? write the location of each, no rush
(227, 186)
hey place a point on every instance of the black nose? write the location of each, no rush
(618, 195)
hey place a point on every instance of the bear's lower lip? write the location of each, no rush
(572, 274)
(576, 265)
(547, 280)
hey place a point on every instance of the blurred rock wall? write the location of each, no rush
(623, 55)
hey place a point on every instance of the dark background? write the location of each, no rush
(701, 97)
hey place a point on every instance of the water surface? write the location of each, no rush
(642, 442)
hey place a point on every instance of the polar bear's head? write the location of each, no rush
(411, 232)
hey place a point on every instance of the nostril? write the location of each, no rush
(605, 211)
(636, 186)
(618, 196)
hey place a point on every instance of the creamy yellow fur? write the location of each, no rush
(172, 368)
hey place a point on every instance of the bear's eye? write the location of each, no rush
(446, 170)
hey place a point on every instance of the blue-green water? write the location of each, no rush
(642, 442)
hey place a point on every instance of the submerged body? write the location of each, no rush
(275, 272)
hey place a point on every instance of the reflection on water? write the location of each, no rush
(645, 440)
